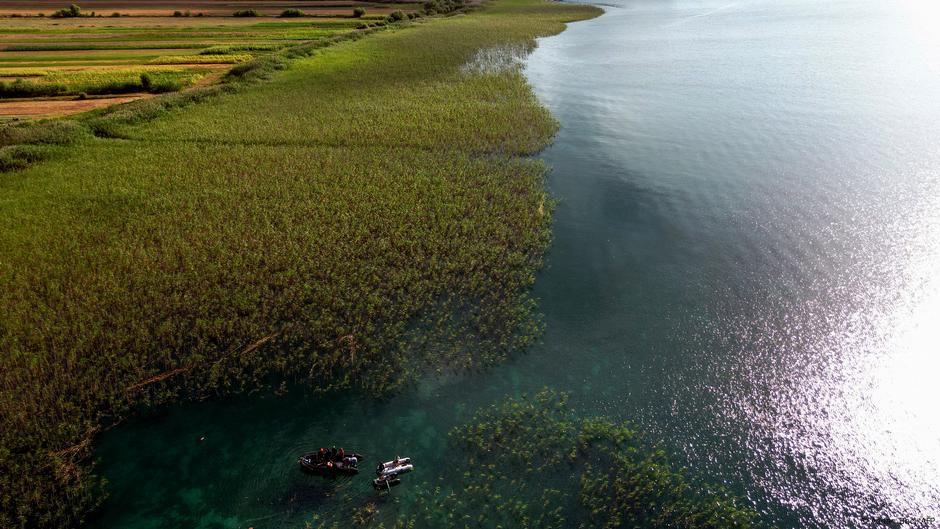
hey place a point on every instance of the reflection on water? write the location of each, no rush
(756, 185)
(844, 395)
(746, 260)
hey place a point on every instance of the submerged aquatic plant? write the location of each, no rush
(532, 462)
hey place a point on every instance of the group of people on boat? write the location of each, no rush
(335, 462)
(330, 462)
(334, 457)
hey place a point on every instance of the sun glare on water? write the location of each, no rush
(863, 419)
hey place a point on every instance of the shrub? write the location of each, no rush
(145, 81)
(51, 132)
(22, 88)
(362, 26)
(396, 16)
(177, 13)
(245, 13)
(359, 12)
(82, 96)
(292, 13)
(72, 11)
(115, 15)
(20, 156)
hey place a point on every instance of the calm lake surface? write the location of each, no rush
(746, 263)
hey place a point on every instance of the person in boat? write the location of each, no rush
(342, 454)
(333, 453)
(321, 454)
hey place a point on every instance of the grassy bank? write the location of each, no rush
(368, 210)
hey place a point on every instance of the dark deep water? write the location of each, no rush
(746, 262)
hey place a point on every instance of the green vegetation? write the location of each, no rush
(391, 222)
(292, 13)
(436, 7)
(234, 49)
(202, 59)
(245, 13)
(532, 463)
(359, 12)
(100, 82)
(72, 11)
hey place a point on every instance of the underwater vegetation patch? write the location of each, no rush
(532, 462)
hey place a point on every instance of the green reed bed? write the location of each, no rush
(368, 209)
(533, 463)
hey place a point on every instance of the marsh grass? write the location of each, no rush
(370, 208)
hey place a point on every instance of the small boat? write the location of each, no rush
(314, 463)
(386, 482)
(399, 465)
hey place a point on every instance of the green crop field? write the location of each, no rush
(368, 208)
(75, 45)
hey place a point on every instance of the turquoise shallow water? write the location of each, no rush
(746, 262)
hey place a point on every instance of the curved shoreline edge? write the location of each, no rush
(369, 208)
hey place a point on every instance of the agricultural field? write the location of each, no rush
(52, 55)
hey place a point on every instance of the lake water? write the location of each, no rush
(746, 262)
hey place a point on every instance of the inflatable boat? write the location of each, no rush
(399, 465)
